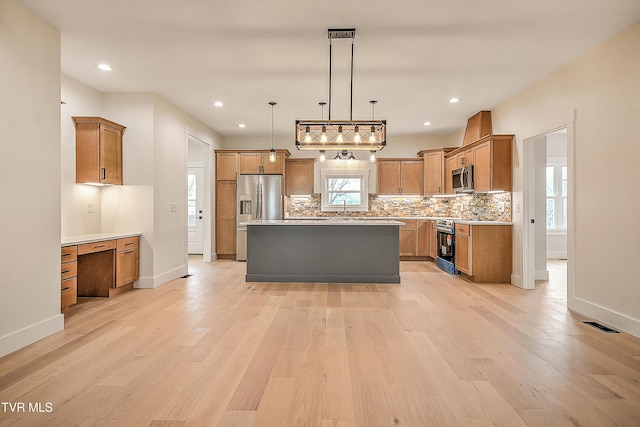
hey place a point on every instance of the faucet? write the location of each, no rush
(344, 207)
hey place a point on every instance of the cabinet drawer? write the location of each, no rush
(462, 229)
(68, 292)
(69, 253)
(69, 269)
(409, 223)
(88, 248)
(127, 243)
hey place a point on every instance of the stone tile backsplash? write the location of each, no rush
(484, 207)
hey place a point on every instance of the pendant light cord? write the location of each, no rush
(351, 95)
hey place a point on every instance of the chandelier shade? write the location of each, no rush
(341, 134)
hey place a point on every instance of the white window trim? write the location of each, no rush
(339, 173)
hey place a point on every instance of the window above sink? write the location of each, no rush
(345, 190)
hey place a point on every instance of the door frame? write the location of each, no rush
(528, 211)
(207, 161)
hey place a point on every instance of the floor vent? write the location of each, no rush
(186, 275)
(602, 327)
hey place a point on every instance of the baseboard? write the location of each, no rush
(542, 274)
(516, 280)
(556, 254)
(161, 279)
(604, 315)
(25, 336)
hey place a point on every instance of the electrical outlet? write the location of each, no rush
(174, 207)
(517, 207)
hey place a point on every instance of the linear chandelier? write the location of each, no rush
(322, 135)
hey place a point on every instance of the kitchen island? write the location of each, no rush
(326, 251)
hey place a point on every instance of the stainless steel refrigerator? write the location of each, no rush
(259, 197)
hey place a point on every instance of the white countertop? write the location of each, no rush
(470, 222)
(79, 239)
(326, 221)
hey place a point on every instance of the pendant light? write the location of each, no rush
(272, 152)
(339, 135)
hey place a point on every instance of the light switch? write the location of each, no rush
(90, 207)
(174, 207)
(517, 207)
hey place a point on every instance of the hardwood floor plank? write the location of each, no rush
(435, 350)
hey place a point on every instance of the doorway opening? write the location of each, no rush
(198, 200)
(547, 206)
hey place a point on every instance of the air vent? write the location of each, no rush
(602, 327)
(186, 275)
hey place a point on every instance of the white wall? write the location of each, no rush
(30, 176)
(602, 86)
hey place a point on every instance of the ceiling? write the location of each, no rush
(411, 56)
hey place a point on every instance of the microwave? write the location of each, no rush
(462, 179)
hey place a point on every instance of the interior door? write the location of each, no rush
(195, 223)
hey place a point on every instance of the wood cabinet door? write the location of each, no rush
(462, 254)
(299, 176)
(226, 217)
(226, 166)
(411, 179)
(407, 241)
(424, 238)
(126, 267)
(433, 242)
(482, 167)
(250, 162)
(450, 164)
(276, 167)
(110, 155)
(388, 176)
(433, 174)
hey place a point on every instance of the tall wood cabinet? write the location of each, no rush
(400, 176)
(229, 164)
(98, 151)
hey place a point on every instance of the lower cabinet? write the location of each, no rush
(483, 252)
(98, 269)
(418, 239)
(68, 277)
(127, 261)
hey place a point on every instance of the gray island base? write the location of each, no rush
(323, 251)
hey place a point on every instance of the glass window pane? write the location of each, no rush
(345, 184)
(551, 213)
(191, 186)
(551, 185)
(340, 198)
(564, 181)
(191, 213)
(564, 215)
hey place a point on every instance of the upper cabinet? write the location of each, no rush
(226, 166)
(299, 176)
(258, 162)
(98, 151)
(434, 177)
(400, 176)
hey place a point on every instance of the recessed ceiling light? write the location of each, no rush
(454, 100)
(104, 67)
(218, 104)
(242, 125)
(427, 123)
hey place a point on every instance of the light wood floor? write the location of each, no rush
(435, 350)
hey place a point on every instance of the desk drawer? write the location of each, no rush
(89, 248)
(127, 243)
(409, 223)
(68, 269)
(69, 253)
(68, 292)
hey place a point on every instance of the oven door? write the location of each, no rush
(446, 246)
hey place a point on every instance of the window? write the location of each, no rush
(345, 189)
(557, 197)
(191, 200)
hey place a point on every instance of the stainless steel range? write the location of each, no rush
(446, 245)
